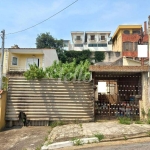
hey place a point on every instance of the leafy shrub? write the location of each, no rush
(34, 73)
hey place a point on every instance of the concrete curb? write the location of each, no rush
(88, 141)
(69, 143)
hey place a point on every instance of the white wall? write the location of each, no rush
(49, 57)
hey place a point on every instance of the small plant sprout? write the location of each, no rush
(77, 142)
(99, 136)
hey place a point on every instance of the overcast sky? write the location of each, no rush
(84, 15)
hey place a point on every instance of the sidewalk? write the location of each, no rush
(111, 130)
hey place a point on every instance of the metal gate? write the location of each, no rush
(121, 99)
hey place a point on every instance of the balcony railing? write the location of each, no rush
(17, 68)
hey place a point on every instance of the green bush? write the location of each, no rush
(34, 73)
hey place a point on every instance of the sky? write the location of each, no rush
(83, 15)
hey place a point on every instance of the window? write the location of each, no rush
(102, 45)
(92, 45)
(102, 37)
(136, 31)
(92, 37)
(78, 45)
(78, 37)
(31, 61)
(127, 46)
(14, 61)
(126, 32)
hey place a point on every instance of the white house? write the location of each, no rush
(92, 40)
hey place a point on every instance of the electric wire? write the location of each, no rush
(43, 20)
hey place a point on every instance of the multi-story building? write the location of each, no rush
(92, 40)
(126, 38)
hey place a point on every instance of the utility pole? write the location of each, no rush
(2, 57)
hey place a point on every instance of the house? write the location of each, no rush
(126, 37)
(18, 59)
(92, 40)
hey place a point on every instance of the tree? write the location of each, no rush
(45, 40)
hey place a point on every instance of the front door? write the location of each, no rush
(31, 61)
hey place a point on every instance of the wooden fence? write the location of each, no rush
(49, 99)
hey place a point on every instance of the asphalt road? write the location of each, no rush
(130, 144)
(134, 146)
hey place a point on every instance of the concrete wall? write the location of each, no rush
(111, 56)
(2, 109)
(130, 62)
(144, 103)
(49, 99)
(49, 57)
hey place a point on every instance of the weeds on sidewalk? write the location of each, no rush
(39, 147)
(57, 123)
(138, 122)
(99, 136)
(77, 142)
(125, 120)
(148, 133)
(125, 137)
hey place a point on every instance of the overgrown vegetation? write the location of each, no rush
(99, 56)
(143, 112)
(99, 136)
(138, 122)
(79, 55)
(125, 120)
(66, 71)
(4, 83)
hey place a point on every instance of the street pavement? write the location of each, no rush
(133, 146)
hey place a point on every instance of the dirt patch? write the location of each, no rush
(23, 138)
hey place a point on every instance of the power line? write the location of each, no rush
(43, 20)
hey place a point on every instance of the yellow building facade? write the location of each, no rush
(118, 35)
